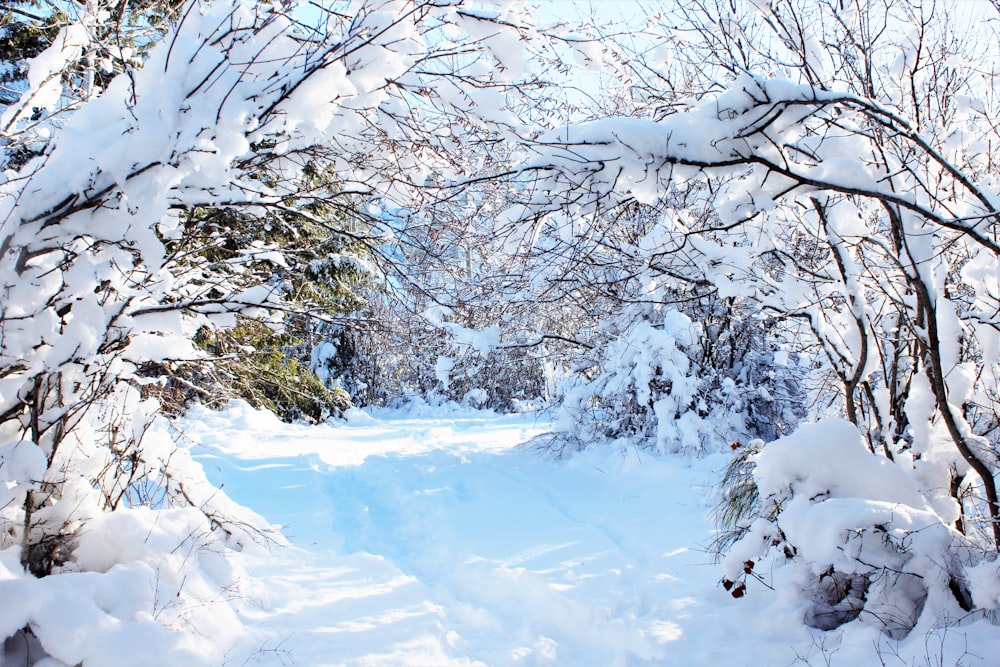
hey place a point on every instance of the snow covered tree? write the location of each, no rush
(453, 317)
(316, 257)
(105, 237)
(453, 311)
(57, 55)
(851, 189)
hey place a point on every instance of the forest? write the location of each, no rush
(763, 228)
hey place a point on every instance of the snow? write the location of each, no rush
(432, 537)
(422, 539)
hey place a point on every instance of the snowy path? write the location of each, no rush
(439, 542)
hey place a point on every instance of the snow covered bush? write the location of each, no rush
(139, 549)
(669, 361)
(446, 324)
(252, 362)
(415, 357)
(863, 537)
(644, 392)
(677, 385)
(315, 259)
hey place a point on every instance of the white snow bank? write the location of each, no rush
(429, 539)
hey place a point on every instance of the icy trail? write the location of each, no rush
(438, 541)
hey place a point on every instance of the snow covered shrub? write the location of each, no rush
(858, 537)
(479, 369)
(387, 355)
(314, 260)
(643, 391)
(484, 349)
(747, 369)
(681, 382)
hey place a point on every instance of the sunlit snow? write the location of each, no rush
(434, 538)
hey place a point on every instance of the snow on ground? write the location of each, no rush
(435, 540)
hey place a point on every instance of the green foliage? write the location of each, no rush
(253, 362)
(738, 498)
(305, 251)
